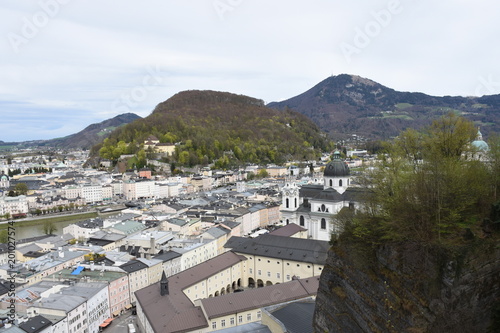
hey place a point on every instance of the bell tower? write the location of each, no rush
(290, 195)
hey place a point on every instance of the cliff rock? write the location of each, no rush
(409, 288)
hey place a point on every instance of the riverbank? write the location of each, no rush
(29, 222)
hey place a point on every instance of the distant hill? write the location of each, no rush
(346, 104)
(211, 125)
(92, 134)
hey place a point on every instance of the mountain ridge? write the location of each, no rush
(349, 104)
(84, 139)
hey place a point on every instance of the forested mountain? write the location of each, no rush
(347, 104)
(92, 134)
(209, 126)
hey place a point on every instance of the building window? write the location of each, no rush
(250, 271)
(268, 274)
(287, 203)
(323, 207)
(214, 325)
(331, 183)
(240, 319)
(231, 321)
(288, 277)
(278, 275)
(223, 323)
(323, 224)
(259, 272)
(295, 202)
(249, 316)
(340, 182)
(258, 314)
(301, 220)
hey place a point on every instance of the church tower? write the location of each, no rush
(336, 174)
(290, 196)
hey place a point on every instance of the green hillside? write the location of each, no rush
(217, 127)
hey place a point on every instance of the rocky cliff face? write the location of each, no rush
(410, 288)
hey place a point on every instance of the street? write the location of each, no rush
(119, 325)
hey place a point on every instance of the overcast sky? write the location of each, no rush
(66, 64)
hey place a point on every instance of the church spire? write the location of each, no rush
(163, 285)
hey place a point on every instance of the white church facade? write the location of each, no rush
(313, 206)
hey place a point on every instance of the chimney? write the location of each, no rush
(163, 285)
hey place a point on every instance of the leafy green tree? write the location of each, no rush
(49, 227)
(262, 173)
(21, 188)
(425, 187)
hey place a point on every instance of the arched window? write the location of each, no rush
(331, 183)
(287, 204)
(301, 220)
(340, 182)
(323, 224)
(287, 222)
(323, 207)
(295, 201)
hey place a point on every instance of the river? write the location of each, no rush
(33, 231)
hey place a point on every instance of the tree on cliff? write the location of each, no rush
(427, 187)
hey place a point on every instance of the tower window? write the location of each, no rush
(323, 224)
(340, 182)
(287, 205)
(301, 220)
(331, 183)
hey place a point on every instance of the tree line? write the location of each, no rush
(431, 186)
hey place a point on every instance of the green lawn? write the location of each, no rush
(54, 219)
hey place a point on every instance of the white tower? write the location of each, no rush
(290, 196)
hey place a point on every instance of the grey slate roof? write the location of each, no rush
(133, 266)
(297, 317)
(35, 324)
(167, 256)
(288, 230)
(286, 248)
(234, 242)
(309, 191)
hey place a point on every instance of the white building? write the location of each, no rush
(313, 206)
(92, 193)
(13, 205)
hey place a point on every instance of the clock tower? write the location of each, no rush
(290, 196)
